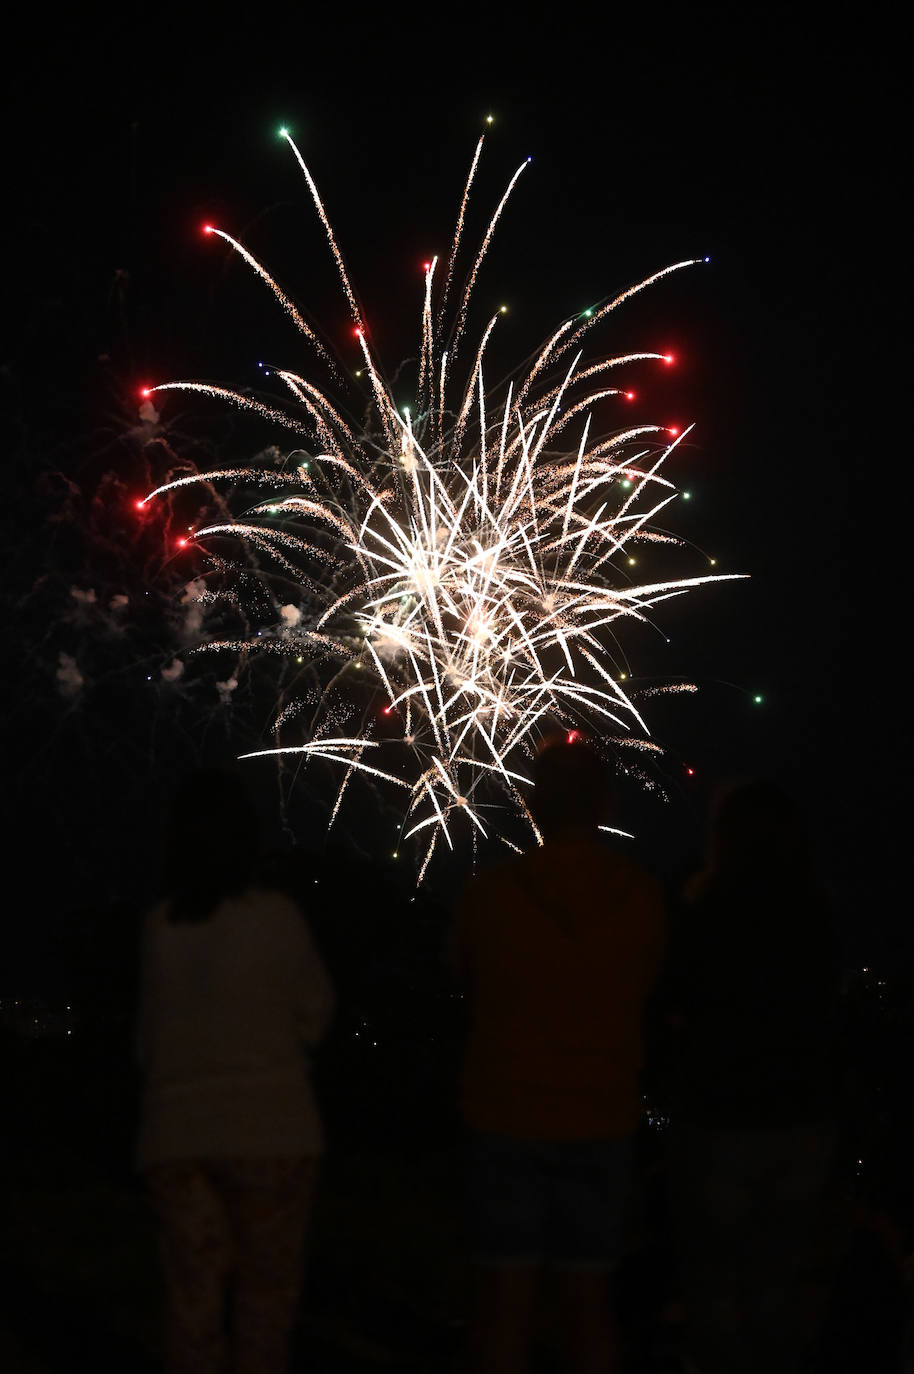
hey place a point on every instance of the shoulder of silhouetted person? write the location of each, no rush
(584, 890)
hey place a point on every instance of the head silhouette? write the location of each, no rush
(571, 787)
(758, 832)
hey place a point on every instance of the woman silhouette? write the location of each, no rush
(232, 992)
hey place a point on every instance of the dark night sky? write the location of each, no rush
(760, 143)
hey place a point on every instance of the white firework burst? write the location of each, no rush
(467, 561)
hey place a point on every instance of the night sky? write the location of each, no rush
(762, 144)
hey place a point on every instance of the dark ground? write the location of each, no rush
(388, 1283)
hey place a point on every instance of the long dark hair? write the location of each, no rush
(211, 843)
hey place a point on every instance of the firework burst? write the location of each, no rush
(464, 564)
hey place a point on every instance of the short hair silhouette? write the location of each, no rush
(571, 786)
(212, 843)
(758, 829)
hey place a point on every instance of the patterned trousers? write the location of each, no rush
(232, 1237)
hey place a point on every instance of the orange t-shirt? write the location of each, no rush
(560, 949)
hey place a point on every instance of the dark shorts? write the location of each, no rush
(557, 1203)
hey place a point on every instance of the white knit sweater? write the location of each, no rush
(228, 1007)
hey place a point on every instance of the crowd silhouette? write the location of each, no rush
(585, 985)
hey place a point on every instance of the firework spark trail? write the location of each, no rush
(237, 398)
(428, 342)
(280, 295)
(263, 476)
(455, 245)
(462, 574)
(334, 247)
(487, 239)
(317, 407)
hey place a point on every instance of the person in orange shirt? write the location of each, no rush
(559, 950)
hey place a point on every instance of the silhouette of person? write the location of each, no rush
(558, 949)
(751, 989)
(232, 992)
